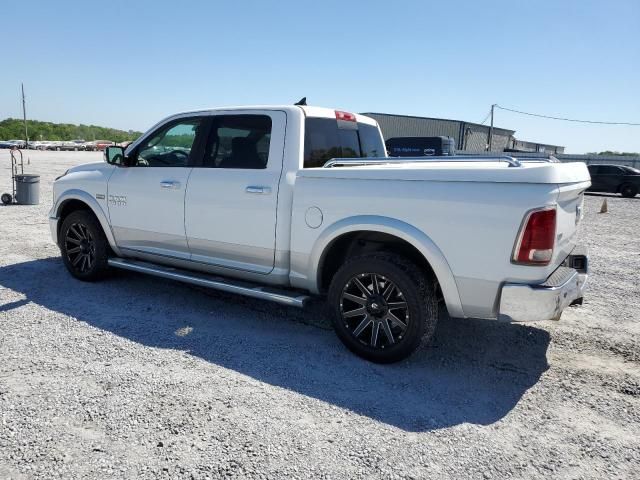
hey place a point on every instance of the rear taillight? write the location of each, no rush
(345, 116)
(536, 239)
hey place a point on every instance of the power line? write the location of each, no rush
(566, 119)
(485, 118)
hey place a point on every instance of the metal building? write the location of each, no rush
(524, 146)
(467, 136)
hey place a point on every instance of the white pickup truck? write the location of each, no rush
(280, 202)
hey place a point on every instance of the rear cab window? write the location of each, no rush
(327, 138)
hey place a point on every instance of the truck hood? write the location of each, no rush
(93, 166)
(472, 171)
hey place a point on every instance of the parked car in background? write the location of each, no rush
(37, 145)
(98, 145)
(78, 144)
(615, 179)
(13, 144)
(67, 145)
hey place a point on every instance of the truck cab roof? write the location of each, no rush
(308, 110)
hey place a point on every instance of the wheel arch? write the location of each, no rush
(338, 240)
(74, 200)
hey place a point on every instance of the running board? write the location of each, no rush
(218, 283)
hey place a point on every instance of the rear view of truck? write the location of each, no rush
(493, 237)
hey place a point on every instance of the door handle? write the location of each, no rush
(258, 189)
(170, 184)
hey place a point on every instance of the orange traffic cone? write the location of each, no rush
(605, 207)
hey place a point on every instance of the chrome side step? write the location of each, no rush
(218, 283)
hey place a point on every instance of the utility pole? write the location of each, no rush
(24, 117)
(491, 128)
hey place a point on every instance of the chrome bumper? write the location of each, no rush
(565, 286)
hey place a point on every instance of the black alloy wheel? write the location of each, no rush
(80, 247)
(374, 310)
(83, 245)
(384, 306)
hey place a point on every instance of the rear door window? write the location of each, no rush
(239, 141)
(325, 140)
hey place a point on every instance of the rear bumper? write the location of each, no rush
(546, 301)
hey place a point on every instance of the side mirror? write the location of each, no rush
(114, 155)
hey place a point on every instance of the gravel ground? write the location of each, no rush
(137, 377)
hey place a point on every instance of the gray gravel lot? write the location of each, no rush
(137, 377)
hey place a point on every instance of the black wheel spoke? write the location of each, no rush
(74, 250)
(355, 313)
(375, 284)
(388, 290)
(354, 298)
(391, 317)
(77, 260)
(387, 331)
(77, 234)
(362, 325)
(374, 334)
(396, 305)
(73, 240)
(362, 288)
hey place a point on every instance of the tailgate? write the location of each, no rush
(569, 214)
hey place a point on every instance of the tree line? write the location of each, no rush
(611, 153)
(13, 128)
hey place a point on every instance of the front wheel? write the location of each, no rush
(629, 191)
(384, 305)
(83, 245)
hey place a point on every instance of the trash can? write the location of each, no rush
(28, 189)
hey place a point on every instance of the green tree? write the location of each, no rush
(13, 128)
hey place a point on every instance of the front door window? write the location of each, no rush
(170, 147)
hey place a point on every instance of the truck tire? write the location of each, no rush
(83, 245)
(628, 191)
(384, 306)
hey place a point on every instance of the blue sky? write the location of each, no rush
(128, 64)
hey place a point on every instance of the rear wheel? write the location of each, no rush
(83, 246)
(629, 191)
(6, 198)
(383, 306)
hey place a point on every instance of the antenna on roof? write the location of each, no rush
(302, 101)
